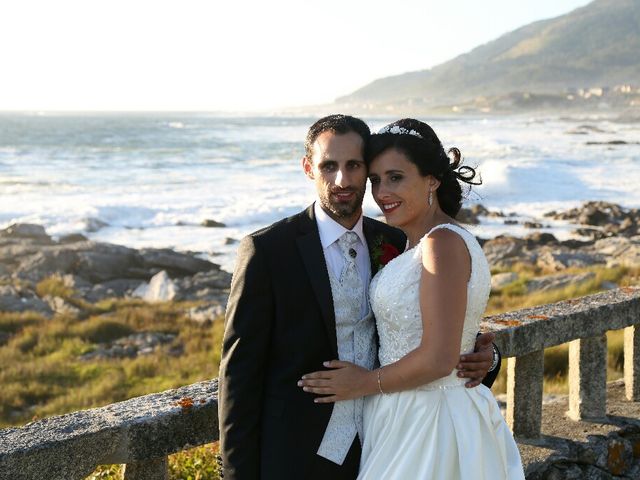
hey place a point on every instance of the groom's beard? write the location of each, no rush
(342, 209)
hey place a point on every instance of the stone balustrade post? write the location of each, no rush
(632, 362)
(524, 394)
(588, 378)
(151, 469)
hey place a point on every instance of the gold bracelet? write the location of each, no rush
(379, 383)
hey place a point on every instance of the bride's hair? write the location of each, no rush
(420, 144)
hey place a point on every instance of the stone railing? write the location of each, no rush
(141, 432)
(523, 335)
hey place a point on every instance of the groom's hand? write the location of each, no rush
(475, 366)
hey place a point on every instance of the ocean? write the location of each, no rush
(152, 179)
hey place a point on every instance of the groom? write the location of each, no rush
(285, 317)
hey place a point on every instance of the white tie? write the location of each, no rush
(350, 278)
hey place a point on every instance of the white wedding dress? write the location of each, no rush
(442, 430)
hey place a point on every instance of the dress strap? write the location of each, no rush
(449, 226)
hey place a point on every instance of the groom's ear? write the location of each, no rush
(307, 166)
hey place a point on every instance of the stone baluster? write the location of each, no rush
(150, 469)
(632, 362)
(524, 394)
(588, 378)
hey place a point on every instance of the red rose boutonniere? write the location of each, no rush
(383, 253)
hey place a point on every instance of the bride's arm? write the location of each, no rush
(443, 300)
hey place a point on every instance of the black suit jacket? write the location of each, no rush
(279, 325)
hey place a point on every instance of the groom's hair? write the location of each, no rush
(336, 123)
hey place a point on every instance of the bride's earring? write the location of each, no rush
(430, 197)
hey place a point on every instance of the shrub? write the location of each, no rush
(55, 287)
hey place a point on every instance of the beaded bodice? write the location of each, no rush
(395, 301)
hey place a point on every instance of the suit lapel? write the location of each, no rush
(313, 258)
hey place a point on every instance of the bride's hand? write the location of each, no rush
(344, 381)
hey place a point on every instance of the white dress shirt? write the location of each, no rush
(330, 231)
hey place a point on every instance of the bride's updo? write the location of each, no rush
(422, 147)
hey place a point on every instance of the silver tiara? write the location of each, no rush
(397, 130)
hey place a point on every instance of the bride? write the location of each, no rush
(419, 419)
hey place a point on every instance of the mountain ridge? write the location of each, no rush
(596, 44)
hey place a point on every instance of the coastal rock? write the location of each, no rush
(205, 315)
(629, 227)
(593, 216)
(131, 346)
(177, 264)
(118, 288)
(100, 262)
(218, 279)
(573, 244)
(503, 251)
(14, 300)
(72, 238)
(501, 280)
(470, 215)
(556, 259)
(466, 216)
(592, 213)
(13, 252)
(591, 233)
(537, 239)
(159, 289)
(62, 307)
(45, 263)
(479, 209)
(211, 286)
(231, 241)
(212, 224)
(96, 270)
(495, 214)
(553, 282)
(613, 142)
(532, 225)
(621, 251)
(76, 282)
(26, 230)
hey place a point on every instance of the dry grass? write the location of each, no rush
(42, 375)
(514, 297)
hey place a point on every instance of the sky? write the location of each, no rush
(251, 55)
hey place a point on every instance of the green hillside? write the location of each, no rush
(596, 45)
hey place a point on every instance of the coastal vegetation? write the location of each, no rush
(45, 371)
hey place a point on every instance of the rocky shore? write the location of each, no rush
(608, 235)
(70, 275)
